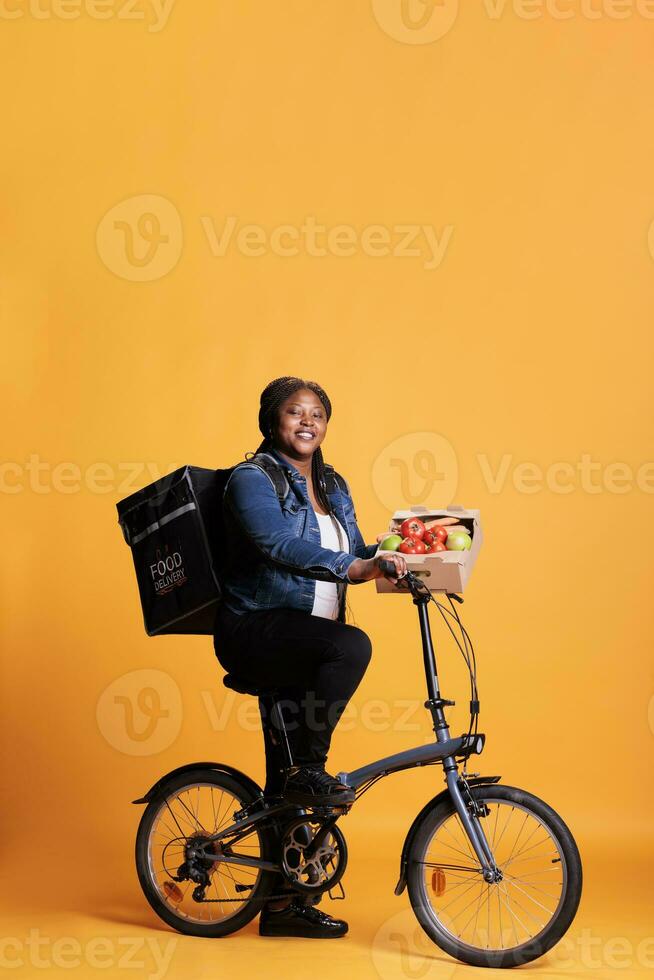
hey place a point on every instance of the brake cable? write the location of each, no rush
(467, 650)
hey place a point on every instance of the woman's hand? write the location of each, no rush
(366, 569)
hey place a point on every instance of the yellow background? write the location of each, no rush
(531, 139)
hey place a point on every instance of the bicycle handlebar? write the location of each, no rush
(413, 582)
(388, 568)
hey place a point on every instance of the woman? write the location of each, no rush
(282, 623)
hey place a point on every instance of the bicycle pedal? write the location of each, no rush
(330, 810)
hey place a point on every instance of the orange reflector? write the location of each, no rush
(173, 891)
(438, 881)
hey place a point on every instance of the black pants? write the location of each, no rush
(315, 663)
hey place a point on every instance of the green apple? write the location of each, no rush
(391, 543)
(458, 541)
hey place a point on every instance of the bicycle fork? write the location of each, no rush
(471, 823)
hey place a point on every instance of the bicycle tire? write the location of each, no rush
(264, 881)
(567, 905)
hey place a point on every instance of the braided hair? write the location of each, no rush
(272, 397)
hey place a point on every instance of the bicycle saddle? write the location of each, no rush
(246, 687)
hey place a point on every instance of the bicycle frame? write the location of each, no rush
(443, 750)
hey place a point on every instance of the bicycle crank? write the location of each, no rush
(307, 867)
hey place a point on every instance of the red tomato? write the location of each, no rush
(428, 538)
(412, 546)
(412, 528)
(440, 533)
(436, 546)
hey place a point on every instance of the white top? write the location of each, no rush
(325, 602)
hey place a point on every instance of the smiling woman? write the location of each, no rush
(281, 623)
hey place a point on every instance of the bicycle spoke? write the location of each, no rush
(455, 849)
(514, 917)
(508, 819)
(550, 912)
(506, 864)
(193, 814)
(481, 903)
(221, 816)
(535, 887)
(196, 808)
(524, 901)
(515, 843)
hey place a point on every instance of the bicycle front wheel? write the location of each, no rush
(514, 920)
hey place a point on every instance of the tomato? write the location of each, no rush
(412, 546)
(435, 547)
(440, 533)
(428, 538)
(412, 528)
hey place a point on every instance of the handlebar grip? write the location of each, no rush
(387, 567)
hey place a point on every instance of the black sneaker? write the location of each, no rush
(303, 921)
(312, 786)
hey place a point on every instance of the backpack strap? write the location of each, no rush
(335, 481)
(273, 471)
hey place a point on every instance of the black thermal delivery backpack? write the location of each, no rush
(173, 528)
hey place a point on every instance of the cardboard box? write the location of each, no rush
(446, 571)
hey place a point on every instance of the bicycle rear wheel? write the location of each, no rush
(514, 920)
(186, 810)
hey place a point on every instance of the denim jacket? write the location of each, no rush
(274, 554)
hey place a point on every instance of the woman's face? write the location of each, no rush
(302, 424)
